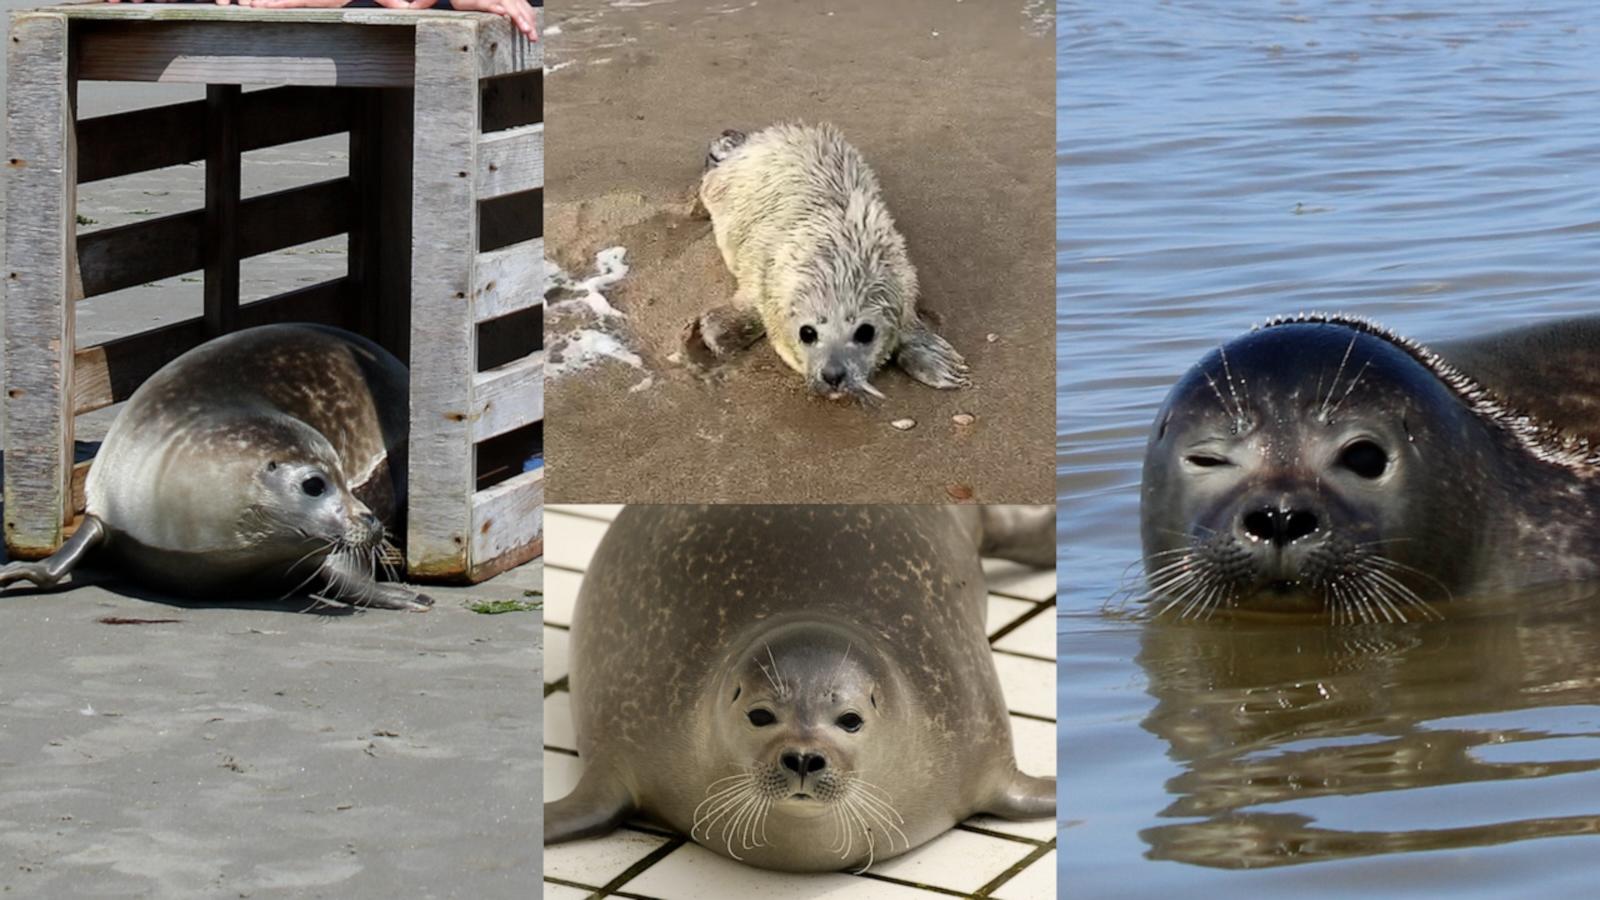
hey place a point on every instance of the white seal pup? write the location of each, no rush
(258, 462)
(822, 270)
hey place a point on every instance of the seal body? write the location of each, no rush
(1324, 464)
(802, 688)
(801, 223)
(261, 460)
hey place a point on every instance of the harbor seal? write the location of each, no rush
(805, 688)
(822, 270)
(1322, 463)
(263, 460)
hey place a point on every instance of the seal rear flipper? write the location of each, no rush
(595, 807)
(1022, 534)
(347, 583)
(49, 571)
(930, 359)
(1024, 797)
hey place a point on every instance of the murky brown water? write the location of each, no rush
(1430, 166)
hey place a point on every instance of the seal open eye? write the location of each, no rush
(849, 722)
(761, 718)
(865, 333)
(313, 486)
(808, 335)
(1365, 458)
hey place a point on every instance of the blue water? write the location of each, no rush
(1434, 166)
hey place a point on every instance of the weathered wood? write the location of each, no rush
(511, 161)
(143, 139)
(233, 52)
(503, 50)
(443, 328)
(109, 373)
(91, 10)
(510, 279)
(508, 397)
(41, 201)
(141, 252)
(507, 524)
(220, 243)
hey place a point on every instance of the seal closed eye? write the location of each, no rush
(262, 461)
(1324, 464)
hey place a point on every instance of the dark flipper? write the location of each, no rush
(729, 141)
(1025, 797)
(720, 333)
(49, 571)
(1024, 534)
(348, 583)
(930, 359)
(595, 807)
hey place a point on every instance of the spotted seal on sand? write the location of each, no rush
(805, 688)
(822, 270)
(1322, 463)
(263, 460)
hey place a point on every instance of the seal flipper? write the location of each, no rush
(348, 584)
(595, 807)
(49, 571)
(930, 359)
(1023, 534)
(721, 332)
(1023, 797)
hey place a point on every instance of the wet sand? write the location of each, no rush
(952, 104)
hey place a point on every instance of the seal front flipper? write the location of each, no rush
(721, 332)
(347, 583)
(595, 807)
(930, 359)
(1023, 797)
(49, 571)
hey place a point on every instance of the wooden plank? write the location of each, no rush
(509, 280)
(508, 397)
(90, 10)
(503, 50)
(511, 161)
(109, 373)
(220, 247)
(443, 330)
(144, 139)
(41, 201)
(236, 52)
(141, 252)
(507, 524)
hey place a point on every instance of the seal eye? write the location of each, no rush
(1365, 458)
(761, 718)
(808, 335)
(865, 333)
(1205, 460)
(313, 486)
(849, 722)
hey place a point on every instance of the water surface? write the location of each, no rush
(1429, 165)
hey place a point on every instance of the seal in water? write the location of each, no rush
(261, 459)
(804, 688)
(1321, 463)
(822, 270)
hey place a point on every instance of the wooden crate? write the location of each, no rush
(441, 207)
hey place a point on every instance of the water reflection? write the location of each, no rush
(1274, 723)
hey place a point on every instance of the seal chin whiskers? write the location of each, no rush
(741, 803)
(861, 805)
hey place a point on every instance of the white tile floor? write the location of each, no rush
(982, 857)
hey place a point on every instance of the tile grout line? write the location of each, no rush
(1021, 866)
(1025, 618)
(638, 868)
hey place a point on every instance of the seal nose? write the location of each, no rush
(803, 764)
(1280, 527)
(833, 375)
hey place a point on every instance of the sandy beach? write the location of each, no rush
(953, 105)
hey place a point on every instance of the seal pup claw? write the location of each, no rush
(800, 221)
(267, 458)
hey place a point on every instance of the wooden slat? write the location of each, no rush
(144, 139)
(509, 279)
(221, 236)
(503, 50)
(508, 397)
(443, 330)
(141, 252)
(41, 200)
(109, 373)
(511, 161)
(507, 524)
(220, 52)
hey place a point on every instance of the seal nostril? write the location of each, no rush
(834, 376)
(1298, 524)
(791, 761)
(1261, 524)
(816, 763)
(1280, 526)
